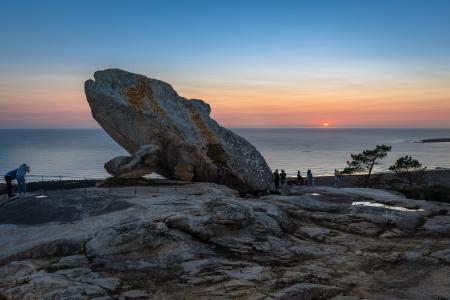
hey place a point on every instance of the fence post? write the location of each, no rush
(61, 184)
(85, 184)
(43, 183)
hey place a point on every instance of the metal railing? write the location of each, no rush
(43, 183)
(43, 178)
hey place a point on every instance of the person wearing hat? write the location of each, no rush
(20, 177)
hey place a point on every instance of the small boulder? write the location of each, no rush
(74, 261)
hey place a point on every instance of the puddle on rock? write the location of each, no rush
(374, 204)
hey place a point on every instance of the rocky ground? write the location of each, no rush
(201, 241)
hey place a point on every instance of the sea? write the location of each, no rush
(81, 153)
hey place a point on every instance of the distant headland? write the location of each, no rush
(438, 140)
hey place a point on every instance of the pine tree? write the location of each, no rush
(365, 161)
(410, 169)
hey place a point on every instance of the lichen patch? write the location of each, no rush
(201, 127)
(216, 153)
(136, 97)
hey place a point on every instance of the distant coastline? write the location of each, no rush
(438, 140)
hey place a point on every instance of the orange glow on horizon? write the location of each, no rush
(405, 102)
(61, 102)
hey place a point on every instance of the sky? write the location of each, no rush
(383, 63)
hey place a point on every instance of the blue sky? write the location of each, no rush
(294, 49)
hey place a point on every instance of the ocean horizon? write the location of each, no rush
(78, 153)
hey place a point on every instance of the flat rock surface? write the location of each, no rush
(201, 241)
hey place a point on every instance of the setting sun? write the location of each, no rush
(325, 124)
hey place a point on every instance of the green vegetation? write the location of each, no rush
(409, 169)
(365, 161)
(437, 193)
(216, 153)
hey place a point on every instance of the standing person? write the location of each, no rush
(283, 177)
(337, 178)
(276, 178)
(20, 177)
(9, 177)
(310, 178)
(299, 178)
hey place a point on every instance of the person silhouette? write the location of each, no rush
(299, 178)
(283, 177)
(310, 176)
(276, 178)
(9, 177)
(20, 177)
(337, 178)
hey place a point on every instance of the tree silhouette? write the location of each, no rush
(366, 160)
(410, 169)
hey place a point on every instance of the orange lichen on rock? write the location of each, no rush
(204, 131)
(136, 97)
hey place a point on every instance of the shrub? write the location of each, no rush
(436, 193)
(409, 169)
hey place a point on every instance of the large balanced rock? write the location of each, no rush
(170, 135)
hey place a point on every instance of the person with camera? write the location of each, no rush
(21, 178)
